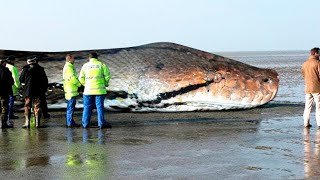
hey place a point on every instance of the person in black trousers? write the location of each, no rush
(6, 82)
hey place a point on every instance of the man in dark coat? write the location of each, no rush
(35, 83)
(6, 82)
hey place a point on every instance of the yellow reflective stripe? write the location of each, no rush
(95, 77)
(93, 66)
(71, 92)
(99, 88)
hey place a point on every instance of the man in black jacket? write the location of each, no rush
(6, 82)
(35, 83)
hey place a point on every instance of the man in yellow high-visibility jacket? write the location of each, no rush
(70, 86)
(15, 86)
(94, 75)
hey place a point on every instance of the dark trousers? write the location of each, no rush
(4, 103)
(44, 105)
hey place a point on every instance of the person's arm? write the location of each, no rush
(318, 69)
(82, 76)
(15, 75)
(302, 71)
(22, 76)
(73, 77)
(106, 74)
(9, 77)
(44, 79)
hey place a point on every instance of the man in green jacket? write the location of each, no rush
(70, 86)
(15, 86)
(94, 75)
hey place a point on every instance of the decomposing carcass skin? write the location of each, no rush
(169, 77)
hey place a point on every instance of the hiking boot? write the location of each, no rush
(27, 122)
(105, 126)
(75, 125)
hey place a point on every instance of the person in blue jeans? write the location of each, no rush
(15, 87)
(94, 76)
(70, 86)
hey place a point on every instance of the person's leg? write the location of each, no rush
(307, 109)
(4, 102)
(100, 110)
(2, 110)
(5, 113)
(44, 106)
(87, 110)
(71, 104)
(37, 110)
(27, 112)
(317, 102)
(11, 103)
(10, 112)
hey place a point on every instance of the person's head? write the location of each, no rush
(70, 58)
(3, 62)
(32, 60)
(93, 55)
(11, 60)
(315, 52)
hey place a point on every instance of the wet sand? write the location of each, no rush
(262, 143)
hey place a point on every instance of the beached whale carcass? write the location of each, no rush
(171, 77)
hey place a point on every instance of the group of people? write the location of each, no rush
(35, 82)
(94, 76)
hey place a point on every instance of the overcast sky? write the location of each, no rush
(210, 25)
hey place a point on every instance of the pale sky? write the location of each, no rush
(210, 25)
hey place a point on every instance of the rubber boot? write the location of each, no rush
(37, 119)
(27, 123)
(3, 123)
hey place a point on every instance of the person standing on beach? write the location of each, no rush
(70, 86)
(15, 86)
(6, 82)
(44, 105)
(35, 83)
(94, 75)
(311, 73)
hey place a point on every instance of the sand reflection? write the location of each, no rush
(311, 154)
(86, 156)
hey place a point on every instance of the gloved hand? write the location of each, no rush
(81, 89)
